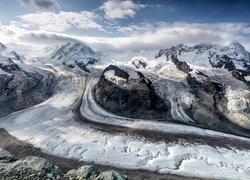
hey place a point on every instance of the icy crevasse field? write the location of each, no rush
(51, 126)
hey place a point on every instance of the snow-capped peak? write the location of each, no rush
(209, 55)
(73, 55)
(7, 53)
(71, 49)
(2, 47)
(237, 51)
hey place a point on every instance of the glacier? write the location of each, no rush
(72, 124)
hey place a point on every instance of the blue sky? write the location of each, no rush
(125, 24)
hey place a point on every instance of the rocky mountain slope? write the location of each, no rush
(209, 76)
(219, 79)
(231, 57)
(128, 93)
(20, 86)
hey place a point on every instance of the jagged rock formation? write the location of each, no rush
(73, 55)
(138, 63)
(129, 94)
(211, 109)
(182, 66)
(20, 88)
(33, 167)
(212, 99)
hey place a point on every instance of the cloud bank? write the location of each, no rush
(140, 37)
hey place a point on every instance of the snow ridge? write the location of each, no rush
(208, 56)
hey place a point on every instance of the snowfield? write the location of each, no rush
(51, 126)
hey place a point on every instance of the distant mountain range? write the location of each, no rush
(79, 55)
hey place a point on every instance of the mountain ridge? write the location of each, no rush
(21, 86)
(209, 55)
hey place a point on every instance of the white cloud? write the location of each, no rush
(120, 9)
(59, 22)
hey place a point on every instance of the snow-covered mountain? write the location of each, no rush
(233, 56)
(79, 55)
(20, 85)
(8, 60)
(73, 55)
(6, 53)
(193, 79)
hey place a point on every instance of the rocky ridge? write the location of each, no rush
(231, 57)
(210, 87)
(33, 167)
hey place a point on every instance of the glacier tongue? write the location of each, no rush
(51, 127)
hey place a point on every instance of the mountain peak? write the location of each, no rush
(210, 55)
(235, 44)
(73, 54)
(2, 47)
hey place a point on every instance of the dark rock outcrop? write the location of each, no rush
(240, 75)
(20, 89)
(211, 109)
(128, 97)
(223, 61)
(139, 63)
(33, 167)
(30, 167)
(182, 66)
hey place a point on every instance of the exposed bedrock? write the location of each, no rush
(242, 75)
(211, 110)
(128, 93)
(182, 66)
(20, 89)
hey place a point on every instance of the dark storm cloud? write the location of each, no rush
(42, 4)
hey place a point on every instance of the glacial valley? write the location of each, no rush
(183, 110)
